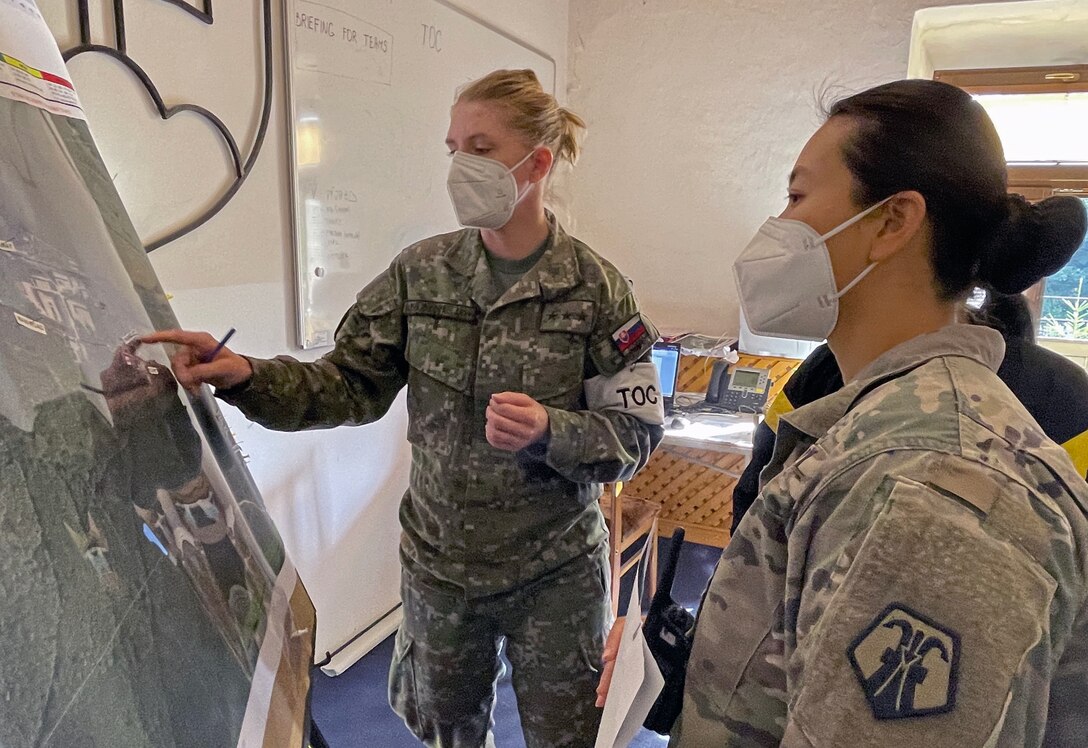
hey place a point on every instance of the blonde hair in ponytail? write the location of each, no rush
(533, 112)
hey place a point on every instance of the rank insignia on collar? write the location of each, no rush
(907, 664)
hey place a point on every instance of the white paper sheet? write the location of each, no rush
(636, 681)
(31, 67)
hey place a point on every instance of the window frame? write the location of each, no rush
(1053, 79)
(1035, 181)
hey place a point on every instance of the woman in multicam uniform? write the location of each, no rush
(914, 570)
(529, 383)
(1052, 388)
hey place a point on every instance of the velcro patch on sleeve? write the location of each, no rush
(630, 334)
(907, 665)
(634, 391)
(915, 646)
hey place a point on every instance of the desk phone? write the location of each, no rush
(740, 390)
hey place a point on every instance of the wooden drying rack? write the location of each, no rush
(691, 484)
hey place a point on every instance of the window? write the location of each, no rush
(1041, 128)
(1041, 115)
(1064, 307)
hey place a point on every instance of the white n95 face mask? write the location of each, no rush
(786, 282)
(483, 191)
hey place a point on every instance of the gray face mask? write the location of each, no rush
(483, 191)
(786, 282)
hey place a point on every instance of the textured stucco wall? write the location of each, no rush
(697, 109)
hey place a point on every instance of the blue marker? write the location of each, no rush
(211, 356)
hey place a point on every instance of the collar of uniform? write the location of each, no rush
(464, 253)
(556, 272)
(975, 342)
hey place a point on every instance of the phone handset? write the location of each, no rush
(718, 376)
(740, 389)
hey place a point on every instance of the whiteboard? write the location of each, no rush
(370, 85)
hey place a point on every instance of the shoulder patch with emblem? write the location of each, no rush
(907, 665)
(629, 334)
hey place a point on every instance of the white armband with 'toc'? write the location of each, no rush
(634, 390)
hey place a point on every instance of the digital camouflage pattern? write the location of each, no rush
(554, 629)
(476, 517)
(913, 572)
(484, 529)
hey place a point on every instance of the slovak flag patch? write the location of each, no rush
(627, 336)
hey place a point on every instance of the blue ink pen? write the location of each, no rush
(211, 356)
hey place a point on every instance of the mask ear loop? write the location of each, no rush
(515, 167)
(828, 299)
(851, 284)
(850, 222)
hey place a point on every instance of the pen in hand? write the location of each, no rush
(215, 352)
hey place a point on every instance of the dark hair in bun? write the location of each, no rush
(934, 139)
(1032, 242)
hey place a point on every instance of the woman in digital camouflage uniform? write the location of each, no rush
(529, 383)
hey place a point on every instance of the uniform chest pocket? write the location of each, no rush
(555, 367)
(442, 341)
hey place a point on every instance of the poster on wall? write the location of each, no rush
(147, 598)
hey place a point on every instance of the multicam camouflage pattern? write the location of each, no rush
(444, 666)
(476, 517)
(921, 491)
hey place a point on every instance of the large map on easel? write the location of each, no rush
(147, 599)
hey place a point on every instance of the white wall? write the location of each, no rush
(333, 494)
(697, 110)
(1034, 33)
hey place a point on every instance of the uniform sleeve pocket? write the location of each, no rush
(929, 632)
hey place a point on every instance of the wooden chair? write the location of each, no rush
(630, 520)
